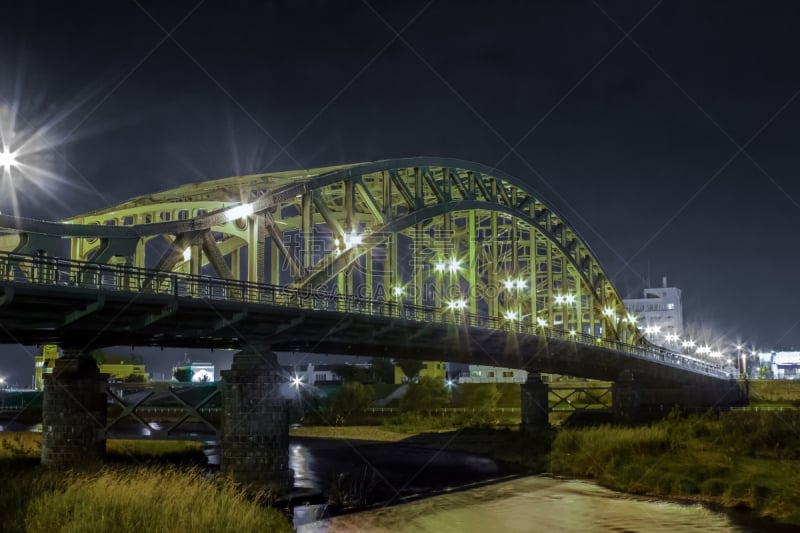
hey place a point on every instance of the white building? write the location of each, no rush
(782, 365)
(492, 374)
(660, 312)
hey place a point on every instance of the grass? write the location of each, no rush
(124, 496)
(743, 460)
(746, 460)
(158, 500)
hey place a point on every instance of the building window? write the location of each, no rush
(491, 374)
(670, 306)
(508, 374)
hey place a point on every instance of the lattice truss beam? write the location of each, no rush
(423, 231)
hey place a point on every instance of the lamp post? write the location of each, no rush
(739, 360)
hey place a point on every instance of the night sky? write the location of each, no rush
(665, 132)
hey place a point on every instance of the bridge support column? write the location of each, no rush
(626, 399)
(74, 412)
(534, 403)
(255, 423)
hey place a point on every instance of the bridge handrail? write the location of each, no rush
(120, 277)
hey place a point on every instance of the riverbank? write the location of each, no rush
(143, 487)
(743, 460)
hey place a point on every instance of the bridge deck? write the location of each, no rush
(78, 304)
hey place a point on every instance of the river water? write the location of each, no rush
(463, 493)
(407, 488)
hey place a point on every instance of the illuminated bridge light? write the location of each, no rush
(609, 312)
(296, 381)
(398, 291)
(352, 239)
(631, 318)
(572, 333)
(511, 315)
(439, 267)
(187, 254)
(240, 211)
(559, 299)
(453, 265)
(456, 304)
(8, 159)
(570, 298)
(520, 284)
(508, 284)
(541, 322)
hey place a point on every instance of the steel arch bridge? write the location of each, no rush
(429, 230)
(429, 233)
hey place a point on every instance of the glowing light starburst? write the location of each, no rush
(28, 148)
(8, 159)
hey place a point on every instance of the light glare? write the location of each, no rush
(240, 211)
(8, 159)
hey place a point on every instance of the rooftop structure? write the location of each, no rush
(659, 313)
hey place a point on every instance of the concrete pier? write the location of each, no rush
(255, 427)
(626, 398)
(74, 412)
(534, 403)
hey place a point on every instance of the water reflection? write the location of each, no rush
(302, 462)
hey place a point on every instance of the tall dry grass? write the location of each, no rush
(123, 497)
(135, 499)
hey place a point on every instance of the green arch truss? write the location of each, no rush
(429, 231)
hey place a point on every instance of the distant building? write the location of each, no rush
(121, 367)
(781, 364)
(44, 364)
(195, 372)
(127, 368)
(315, 375)
(492, 374)
(660, 312)
(432, 369)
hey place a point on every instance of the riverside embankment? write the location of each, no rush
(740, 460)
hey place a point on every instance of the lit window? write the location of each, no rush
(670, 306)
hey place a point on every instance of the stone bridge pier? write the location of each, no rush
(255, 423)
(74, 412)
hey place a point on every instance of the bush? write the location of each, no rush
(352, 398)
(425, 395)
(482, 396)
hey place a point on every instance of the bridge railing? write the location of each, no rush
(20, 268)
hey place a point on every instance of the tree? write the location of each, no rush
(482, 396)
(426, 394)
(135, 378)
(351, 398)
(182, 374)
(410, 367)
(382, 370)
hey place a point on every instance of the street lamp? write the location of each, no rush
(8, 159)
(739, 358)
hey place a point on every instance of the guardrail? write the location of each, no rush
(53, 271)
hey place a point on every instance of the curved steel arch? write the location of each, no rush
(385, 202)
